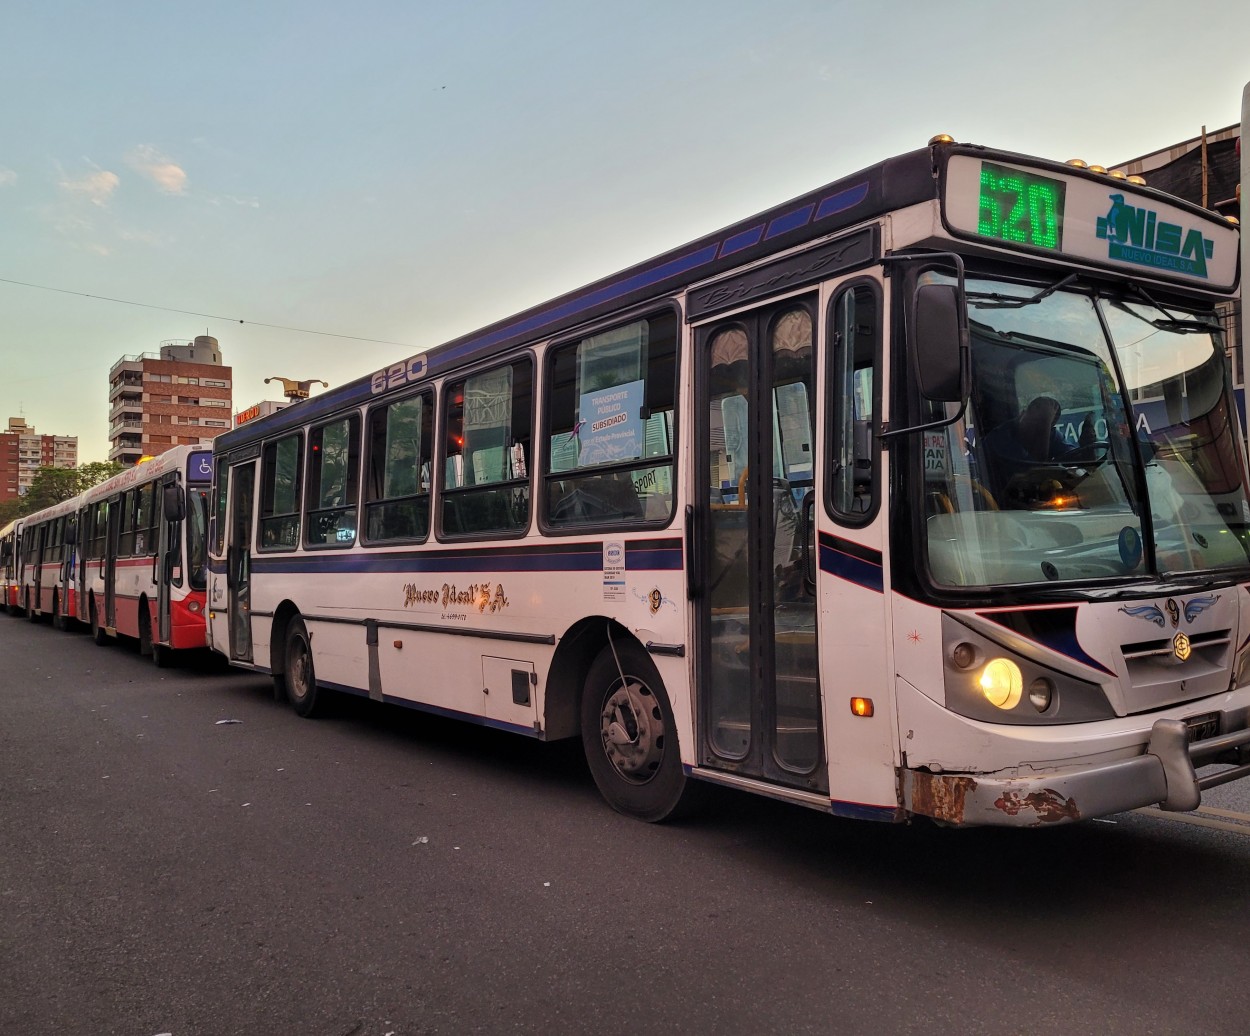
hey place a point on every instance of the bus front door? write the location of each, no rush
(168, 559)
(760, 712)
(110, 563)
(239, 559)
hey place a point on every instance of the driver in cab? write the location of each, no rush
(1031, 440)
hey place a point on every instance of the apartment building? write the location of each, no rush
(180, 395)
(23, 451)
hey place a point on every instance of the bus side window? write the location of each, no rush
(279, 494)
(145, 540)
(126, 525)
(487, 449)
(333, 477)
(397, 485)
(853, 392)
(609, 425)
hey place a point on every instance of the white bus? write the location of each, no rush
(920, 494)
(143, 549)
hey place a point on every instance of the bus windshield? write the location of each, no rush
(197, 536)
(1081, 407)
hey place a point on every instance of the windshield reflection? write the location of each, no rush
(1043, 479)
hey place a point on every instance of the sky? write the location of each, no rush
(327, 188)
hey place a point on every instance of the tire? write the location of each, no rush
(630, 737)
(58, 620)
(145, 633)
(98, 633)
(31, 614)
(300, 676)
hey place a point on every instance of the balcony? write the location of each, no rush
(126, 406)
(128, 385)
(129, 424)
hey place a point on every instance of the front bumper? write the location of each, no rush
(1164, 775)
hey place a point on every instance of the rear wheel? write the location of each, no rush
(300, 676)
(145, 632)
(630, 737)
(98, 633)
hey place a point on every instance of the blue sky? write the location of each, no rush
(407, 172)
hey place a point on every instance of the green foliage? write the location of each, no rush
(52, 485)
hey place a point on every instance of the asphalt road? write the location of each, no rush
(383, 872)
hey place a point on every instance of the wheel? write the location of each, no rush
(31, 614)
(145, 632)
(630, 738)
(98, 633)
(300, 677)
(58, 620)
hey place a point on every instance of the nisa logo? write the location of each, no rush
(1138, 236)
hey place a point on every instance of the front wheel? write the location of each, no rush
(98, 633)
(630, 738)
(300, 677)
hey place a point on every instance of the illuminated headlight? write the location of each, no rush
(1002, 683)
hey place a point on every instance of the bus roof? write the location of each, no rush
(887, 186)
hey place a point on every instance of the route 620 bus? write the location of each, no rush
(922, 494)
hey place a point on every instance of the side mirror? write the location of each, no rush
(937, 342)
(71, 533)
(174, 502)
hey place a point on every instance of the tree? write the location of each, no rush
(52, 485)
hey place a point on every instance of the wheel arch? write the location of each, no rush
(575, 652)
(282, 617)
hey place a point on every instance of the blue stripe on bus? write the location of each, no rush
(852, 562)
(860, 811)
(842, 200)
(640, 556)
(790, 221)
(738, 242)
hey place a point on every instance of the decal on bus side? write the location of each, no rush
(411, 369)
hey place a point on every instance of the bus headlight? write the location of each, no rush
(1002, 683)
(987, 680)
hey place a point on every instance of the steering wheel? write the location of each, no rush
(1091, 455)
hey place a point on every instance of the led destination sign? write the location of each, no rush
(1021, 207)
(1102, 220)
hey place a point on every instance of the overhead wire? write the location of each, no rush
(209, 316)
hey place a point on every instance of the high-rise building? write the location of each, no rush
(160, 400)
(23, 451)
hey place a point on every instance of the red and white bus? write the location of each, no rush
(142, 546)
(46, 562)
(9, 540)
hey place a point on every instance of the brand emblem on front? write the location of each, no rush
(1180, 647)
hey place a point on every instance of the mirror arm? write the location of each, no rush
(965, 349)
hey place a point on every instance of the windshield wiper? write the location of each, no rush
(1168, 322)
(994, 300)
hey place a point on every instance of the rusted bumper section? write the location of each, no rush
(1163, 775)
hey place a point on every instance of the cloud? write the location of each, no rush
(97, 186)
(169, 177)
(7, 177)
